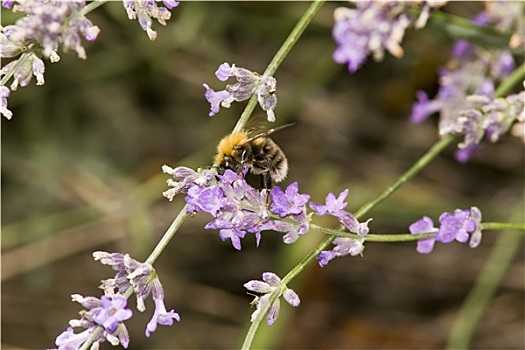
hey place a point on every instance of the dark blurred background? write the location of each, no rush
(81, 171)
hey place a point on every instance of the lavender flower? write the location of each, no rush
(371, 28)
(45, 27)
(144, 280)
(108, 311)
(248, 83)
(51, 24)
(289, 202)
(468, 79)
(185, 177)
(335, 207)
(343, 246)
(145, 10)
(237, 207)
(4, 94)
(484, 116)
(112, 311)
(161, 315)
(424, 225)
(23, 70)
(462, 226)
(271, 283)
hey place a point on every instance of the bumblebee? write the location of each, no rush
(259, 153)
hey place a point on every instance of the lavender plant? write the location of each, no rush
(475, 101)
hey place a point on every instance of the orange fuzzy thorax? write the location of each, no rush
(228, 143)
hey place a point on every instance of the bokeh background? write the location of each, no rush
(81, 171)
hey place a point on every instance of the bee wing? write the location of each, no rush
(270, 131)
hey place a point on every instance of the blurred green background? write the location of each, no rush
(81, 171)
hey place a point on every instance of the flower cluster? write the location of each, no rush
(248, 83)
(49, 25)
(474, 71)
(46, 26)
(237, 207)
(271, 283)
(461, 225)
(145, 10)
(343, 245)
(109, 312)
(373, 27)
(144, 280)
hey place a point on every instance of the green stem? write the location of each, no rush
(516, 77)
(92, 338)
(24, 57)
(92, 6)
(410, 173)
(503, 226)
(373, 237)
(258, 319)
(432, 153)
(166, 238)
(288, 44)
(461, 28)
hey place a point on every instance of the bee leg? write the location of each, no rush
(266, 181)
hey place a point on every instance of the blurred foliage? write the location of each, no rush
(81, 171)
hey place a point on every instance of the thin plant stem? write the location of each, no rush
(166, 238)
(92, 6)
(462, 28)
(432, 153)
(517, 76)
(279, 57)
